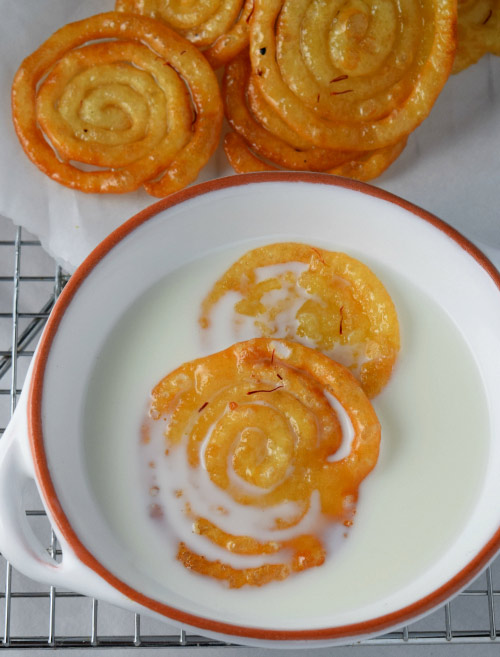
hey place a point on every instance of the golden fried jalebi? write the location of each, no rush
(144, 104)
(241, 158)
(352, 74)
(323, 299)
(478, 31)
(364, 167)
(281, 434)
(277, 149)
(218, 27)
(270, 119)
(370, 164)
(267, 145)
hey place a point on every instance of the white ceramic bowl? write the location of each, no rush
(426, 265)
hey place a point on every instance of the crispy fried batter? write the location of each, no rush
(263, 142)
(335, 304)
(354, 75)
(261, 148)
(478, 31)
(218, 28)
(144, 104)
(266, 440)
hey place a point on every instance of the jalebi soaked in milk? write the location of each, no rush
(275, 439)
(322, 299)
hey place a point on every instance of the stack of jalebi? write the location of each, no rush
(258, 128)
(314, 86)
(338, 86)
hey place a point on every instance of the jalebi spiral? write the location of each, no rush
(234, 90)
(141, 103)
(352, 74)
(275, 439)
(323, 299)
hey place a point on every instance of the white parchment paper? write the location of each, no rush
(450, 167)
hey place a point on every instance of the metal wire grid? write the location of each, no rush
(29, 609)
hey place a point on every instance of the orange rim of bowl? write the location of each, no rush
(35, 429)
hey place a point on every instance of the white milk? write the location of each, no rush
(410, 508)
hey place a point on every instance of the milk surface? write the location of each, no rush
(410, 508)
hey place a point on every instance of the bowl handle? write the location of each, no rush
(18, 543)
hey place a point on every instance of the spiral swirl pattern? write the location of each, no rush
(264, 140)
(323, 299)
(352, 74)
(263, 422)
(234, 89)
(218, 27)
(141, 104)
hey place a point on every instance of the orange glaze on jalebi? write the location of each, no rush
(323, 299)
(285, 435)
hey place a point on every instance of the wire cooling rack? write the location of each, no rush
(37, 616)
